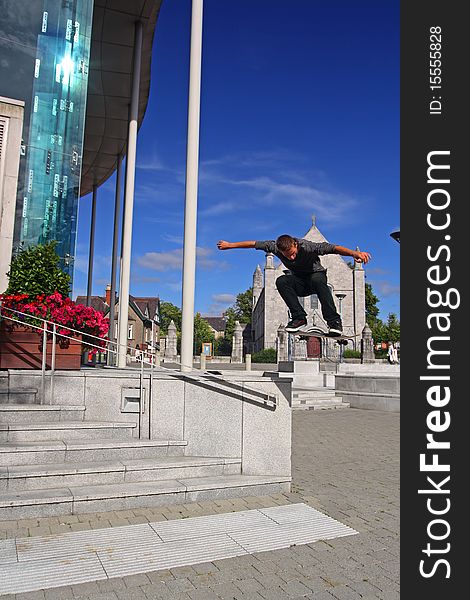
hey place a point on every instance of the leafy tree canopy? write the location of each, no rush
(372, 309)
(169, 312)
(240, 311)
(202, 332)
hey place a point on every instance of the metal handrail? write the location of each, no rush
(146, 358)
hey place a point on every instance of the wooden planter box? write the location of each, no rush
(21, 348)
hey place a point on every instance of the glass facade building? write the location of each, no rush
(44, 61)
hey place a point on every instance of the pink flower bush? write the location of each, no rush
(64, 312)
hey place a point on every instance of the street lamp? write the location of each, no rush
(341, 297)
(396, 235)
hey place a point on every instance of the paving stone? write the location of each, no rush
(248, 586)
(344, 592)
(133, 581)
(225, 591)
(180, 585)
(100, 596)
(39, 595)
(183, 572)
(112, 585)
(295, 588)
(161, 576)
(85, 589)
(59, 593)
(205, 594)
(345, 464)
(131, 594)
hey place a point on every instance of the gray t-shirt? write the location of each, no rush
(307, 259)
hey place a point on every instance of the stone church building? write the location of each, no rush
(270, 313)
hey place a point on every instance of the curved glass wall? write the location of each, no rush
(44, 58)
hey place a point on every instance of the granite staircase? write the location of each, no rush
(316, 398)
(55, 462)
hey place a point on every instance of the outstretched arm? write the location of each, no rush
(223, 245)
(356, 254)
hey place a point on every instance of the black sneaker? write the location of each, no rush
(335, 329)
(296, 324)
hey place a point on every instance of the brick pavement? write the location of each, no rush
(345, 464)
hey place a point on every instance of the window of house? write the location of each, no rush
(130, 332)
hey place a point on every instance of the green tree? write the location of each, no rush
(230, 318)
(243, 306)
(372, 309)
(222, 347)
(392, 328)
(240, 311)
(202, 333)
(169, 312)
(379, 331)
(35, 271)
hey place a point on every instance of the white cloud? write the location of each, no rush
(174, 239)
(281, 187)
(220, 304)
(386, 288)
(377, 271)
(220, 208)
(224, 298)
(161, 261)
(173, 260)
(144, 279)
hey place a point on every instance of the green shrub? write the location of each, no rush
(222, 347)
(352, 354)
(268, 355)
(35, 271)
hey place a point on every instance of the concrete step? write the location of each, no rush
(57, 475)
(66, 430)
(35, 413)
(71, 451)
(18, 396)
(316, 400)
(119, 496)
(314, 394)
(314, 405)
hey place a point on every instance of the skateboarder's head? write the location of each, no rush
(287, 246)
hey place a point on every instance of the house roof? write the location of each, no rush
(145, 307)
(96, 302)
(217, 323)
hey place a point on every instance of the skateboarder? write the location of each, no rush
(307, 275)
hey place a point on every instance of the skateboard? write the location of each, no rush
(320, 333)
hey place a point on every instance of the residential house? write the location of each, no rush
(144, 318)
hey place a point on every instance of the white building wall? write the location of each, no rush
(11, 127)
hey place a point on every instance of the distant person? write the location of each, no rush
(392, 354)
(138, 353)
(307, 277)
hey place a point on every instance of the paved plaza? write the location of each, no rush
(345, 465)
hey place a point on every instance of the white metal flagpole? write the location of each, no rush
(190, 213)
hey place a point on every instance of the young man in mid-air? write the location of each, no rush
(307, 277)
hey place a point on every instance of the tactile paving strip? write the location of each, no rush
(29, 564)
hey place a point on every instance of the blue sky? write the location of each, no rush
(299, 116)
